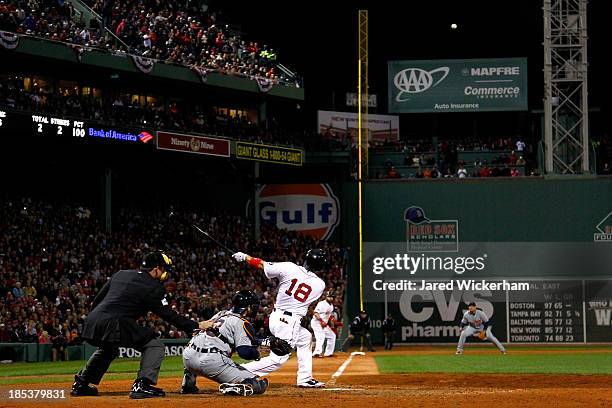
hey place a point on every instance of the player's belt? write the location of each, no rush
(207, 350)
(284, 312)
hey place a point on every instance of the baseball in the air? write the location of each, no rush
(454, 26)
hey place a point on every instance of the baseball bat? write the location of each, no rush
(207, 235)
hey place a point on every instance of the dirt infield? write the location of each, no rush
(361, 385)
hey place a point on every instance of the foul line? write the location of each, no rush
(343, 367)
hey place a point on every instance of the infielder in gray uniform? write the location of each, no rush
(476, 323)
(209, 352)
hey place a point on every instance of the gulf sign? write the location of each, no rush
(311, 209)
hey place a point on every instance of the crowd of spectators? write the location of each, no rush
(49, 19)
(182, 33)
(505, 157)
(169, 31)
(54, 258)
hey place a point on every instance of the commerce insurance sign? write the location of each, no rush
(474, 85)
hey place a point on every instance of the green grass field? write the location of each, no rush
(63, 371)
(547, 363)
(523, 360)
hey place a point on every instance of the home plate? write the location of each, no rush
(343, 389)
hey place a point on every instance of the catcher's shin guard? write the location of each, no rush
(259, 384)
(243, 390)
(188, 386)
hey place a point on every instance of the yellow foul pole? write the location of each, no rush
(363, 132)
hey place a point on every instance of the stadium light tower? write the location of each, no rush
(566, 125)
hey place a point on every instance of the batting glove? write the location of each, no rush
(240, 256)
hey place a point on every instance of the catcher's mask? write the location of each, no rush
(160, 260)
(245, 302)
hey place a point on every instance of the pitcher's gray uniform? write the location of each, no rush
(474, 322)
(209, 356)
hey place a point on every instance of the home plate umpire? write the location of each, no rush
(111, 324)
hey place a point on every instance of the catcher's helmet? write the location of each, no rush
(243, 299)
(161, 260)
(316, 260)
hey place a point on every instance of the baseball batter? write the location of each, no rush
(298, 287)
(320, 326)
(476, 323)
(209, 352)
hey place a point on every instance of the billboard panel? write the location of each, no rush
(343, 126)
(474, 85)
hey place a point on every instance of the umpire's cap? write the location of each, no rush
(158, 259)
(316, 260)
(243, 299)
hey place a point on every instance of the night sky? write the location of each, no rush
(319, 39)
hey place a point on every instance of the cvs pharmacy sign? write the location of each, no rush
(312, 209)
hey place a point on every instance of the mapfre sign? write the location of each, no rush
(312, 209)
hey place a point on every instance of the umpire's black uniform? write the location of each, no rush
(359, 327)
(127, 296)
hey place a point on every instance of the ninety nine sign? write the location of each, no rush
(474, 85)
(271, 154)
(193, 144)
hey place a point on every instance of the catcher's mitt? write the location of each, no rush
(482, 335)
(279, 346)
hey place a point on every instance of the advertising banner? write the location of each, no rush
(473, 85)
(269, 154)
(312, 209)
(193, 144)
(344, 126)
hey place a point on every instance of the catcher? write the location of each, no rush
(209, 352)
(476, 323)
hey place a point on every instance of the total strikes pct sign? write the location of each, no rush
(473, 85)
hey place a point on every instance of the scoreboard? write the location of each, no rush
(54, 126)
(553, 313)
(51, 125)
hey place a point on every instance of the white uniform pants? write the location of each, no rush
(287, 328)
(321, 334)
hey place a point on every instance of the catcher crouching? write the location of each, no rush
(208, 354)
(476, 323)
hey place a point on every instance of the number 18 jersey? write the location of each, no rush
(297, 288)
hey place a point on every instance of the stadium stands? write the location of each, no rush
(55, 257)
(166, 31)
(119, 109)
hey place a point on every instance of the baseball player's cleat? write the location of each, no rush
(189, 389)
(83, 389)
(312, 383)
(142, 388)
(317, 355)
(504, 352)
(459, 352)
(243, 390)
(328, 355)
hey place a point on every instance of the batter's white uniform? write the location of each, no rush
(298, 288)
(325, 310)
